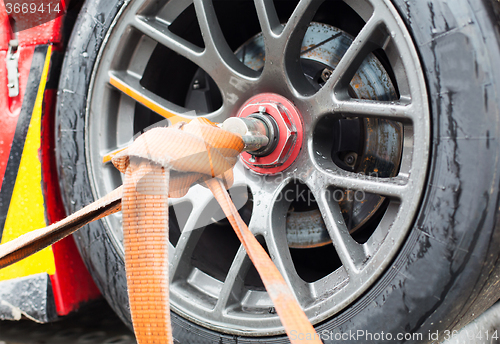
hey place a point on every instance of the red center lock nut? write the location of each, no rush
(286, 133)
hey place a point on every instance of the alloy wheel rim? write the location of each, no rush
(229, 305)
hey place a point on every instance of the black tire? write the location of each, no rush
(447, 272)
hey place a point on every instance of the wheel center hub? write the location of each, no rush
(286, 133)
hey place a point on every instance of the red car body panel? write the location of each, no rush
(71, 283)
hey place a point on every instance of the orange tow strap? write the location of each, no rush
(162, 163)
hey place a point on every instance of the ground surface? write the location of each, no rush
(97, 324)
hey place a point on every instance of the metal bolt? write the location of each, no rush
(253, 131)
(10, 85)
(289, 135)
(196, 84)
(350, 159)
(326, 74)
(252, 159)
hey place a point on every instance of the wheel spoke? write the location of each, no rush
(368, 39)
(298, 23)
(217, 52)
(265, 222)
(268, 18)
(180, 265)
(217, 56)
(160, 33)
(130, 85)
(399, 111)
(233, 290)
(395, 187)
(283, 44)
(217, 59)
(291, 39)
(350, 252)
(280, 254)
(230, 74)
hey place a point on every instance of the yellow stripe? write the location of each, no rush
(120, 85)
(108, 157)
(26, 211)
(173, 118)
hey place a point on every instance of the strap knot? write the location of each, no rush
(193, 152)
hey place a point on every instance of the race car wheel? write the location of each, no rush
(375, 212)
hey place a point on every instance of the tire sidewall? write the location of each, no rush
(441, 277)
